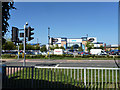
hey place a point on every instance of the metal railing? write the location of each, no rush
(60, 77)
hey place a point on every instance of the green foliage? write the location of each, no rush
(29, 47)
(89, 46)
(56, 46)
(9, 56)
(119, 47)
(21, 46)
(72, 48)
(62, 48)
(43, 48)
(37, 47)
(80, 49)
(6, 7)
(52, 47)
(101, 47)
(68, 57)
(8, 46)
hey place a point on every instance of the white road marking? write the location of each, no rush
(57, 65)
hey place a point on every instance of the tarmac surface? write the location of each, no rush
(62, 63)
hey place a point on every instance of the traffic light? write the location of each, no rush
(14, 34)
(51, 41)
(30, 33)
(55, 40)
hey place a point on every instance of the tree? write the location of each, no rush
(119, 47)
(72, 48)
(9, 46)
(101, 47)
(52, 47)
(6, 7)
(21, 46)
(89, 45)
(62, 48)
(30, 47)
(43, 48)
(56, 46)
(37, 47)
(80, 49)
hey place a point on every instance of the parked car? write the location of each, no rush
(87, 53)
(44, 53)
(70, 53)
(114, 52)
(83, 53)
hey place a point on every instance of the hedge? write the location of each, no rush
(57, 56)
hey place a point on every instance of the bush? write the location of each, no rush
(8, 55)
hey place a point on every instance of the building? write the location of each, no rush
(60, 41)
(67, 43)
(75, 42)
(111, 47)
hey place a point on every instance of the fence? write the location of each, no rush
(60, 77)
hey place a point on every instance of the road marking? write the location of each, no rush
(57, 65)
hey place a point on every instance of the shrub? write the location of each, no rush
(8, 56)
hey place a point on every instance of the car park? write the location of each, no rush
(44, 53)
(114, 52)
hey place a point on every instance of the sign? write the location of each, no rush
(73, 40)
(58, 51)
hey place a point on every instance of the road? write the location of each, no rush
(63, 63)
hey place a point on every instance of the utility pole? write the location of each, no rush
(49, 41)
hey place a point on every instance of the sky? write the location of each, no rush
(68, 19)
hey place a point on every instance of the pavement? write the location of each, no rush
(62, 63)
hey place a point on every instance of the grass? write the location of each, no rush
(63, 78)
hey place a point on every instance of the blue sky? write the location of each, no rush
(71, 20)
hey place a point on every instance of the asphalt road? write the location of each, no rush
(63, 63)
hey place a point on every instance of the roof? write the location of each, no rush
(112, 46)
(98, 43)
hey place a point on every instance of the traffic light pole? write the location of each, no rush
(24, 44)
(18, 51)
(49, 42)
